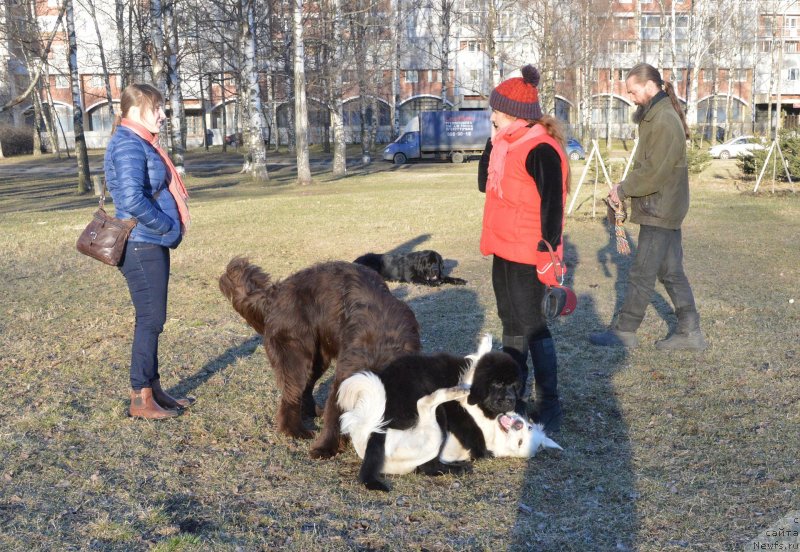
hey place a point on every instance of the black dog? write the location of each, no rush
(388, 415)
(418, 267)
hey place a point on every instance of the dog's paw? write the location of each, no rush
(378, 485)
(458, 468)
(323, 453)
(297, 432)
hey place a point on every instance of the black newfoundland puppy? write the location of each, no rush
(402, 418)
(331, 311)
(418, 267)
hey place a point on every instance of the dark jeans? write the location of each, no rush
(146, 269)
(659, 255)
(519, 295)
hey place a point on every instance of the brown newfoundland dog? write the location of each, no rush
(333, 310)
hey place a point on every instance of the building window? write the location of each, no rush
(96, 81)
(766, 46)
(622, 24)
(100, 119)
(651, 27)
(791, 47)
(505, 24)
(412, 77)
(473, 75)
(741, 75)
(794, 74)
(676, 76)
(62, 81)
(474, 46)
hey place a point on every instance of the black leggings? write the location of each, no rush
(519, 295)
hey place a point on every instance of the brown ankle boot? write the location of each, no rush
(165, 400)
(144, 406)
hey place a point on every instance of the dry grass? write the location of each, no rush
(662, 452)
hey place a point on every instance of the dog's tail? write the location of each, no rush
(362, 399)
(472, 360)
(248, 289)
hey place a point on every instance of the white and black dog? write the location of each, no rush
(418, 267)
(405, 429)
(486, 432)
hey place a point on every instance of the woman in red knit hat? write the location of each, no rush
(525, 175)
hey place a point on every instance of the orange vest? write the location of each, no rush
(512, 225)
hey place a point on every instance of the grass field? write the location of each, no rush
(661, 451)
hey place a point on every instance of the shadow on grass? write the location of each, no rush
(593, 477)
(216, 365)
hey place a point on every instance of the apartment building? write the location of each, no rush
(734, 63)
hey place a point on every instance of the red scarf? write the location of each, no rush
(176, 186)
(501, 143)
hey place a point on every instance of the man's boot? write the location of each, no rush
(143, 405)
(547, 410)
(165, 400)
(687, 336)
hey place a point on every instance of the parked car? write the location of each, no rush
(741, 146)
(234, 139)
(575, 149)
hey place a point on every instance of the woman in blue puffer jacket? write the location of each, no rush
(144, 185)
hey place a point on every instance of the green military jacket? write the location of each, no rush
(658, 182)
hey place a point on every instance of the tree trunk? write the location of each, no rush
(77, 104)
(176, 114)
(157, 50)
(300, 105)
(119, 7)
(337, 106)
(257, 151)
(444, 67)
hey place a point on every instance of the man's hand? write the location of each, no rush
(614, 194)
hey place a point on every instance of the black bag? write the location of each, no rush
(104, 238)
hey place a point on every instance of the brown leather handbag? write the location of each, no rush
(104, 238)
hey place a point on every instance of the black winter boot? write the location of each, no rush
(516, 347)
(547, 410)
(687, 336)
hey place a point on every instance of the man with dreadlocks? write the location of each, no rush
(658, 185)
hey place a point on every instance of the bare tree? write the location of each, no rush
(256, 162)
(157, 45)
(104, 64)
(335, 90)
(300, 104)
(177, 118)
(77, 104)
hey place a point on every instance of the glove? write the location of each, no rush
(550, 273)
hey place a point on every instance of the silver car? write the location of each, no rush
(740, 146)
